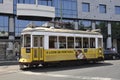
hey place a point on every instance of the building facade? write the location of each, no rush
(16, 14)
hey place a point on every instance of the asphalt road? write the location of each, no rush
(108, 70)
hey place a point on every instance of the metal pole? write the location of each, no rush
(36, 2)
(61, 11)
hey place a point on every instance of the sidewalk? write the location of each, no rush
(11, 62)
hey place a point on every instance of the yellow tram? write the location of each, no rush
(42, 45)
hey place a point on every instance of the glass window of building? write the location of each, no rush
(27, 1)
(30, 1)
(45, 2)
(84, 25)
(21, 24)
(102, 8)
(21, 1)
(1, 1)
(4, 23)
(65, 8)
(86, 7)
(14, 6)
(117, 9)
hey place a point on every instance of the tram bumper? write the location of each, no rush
(24, 61)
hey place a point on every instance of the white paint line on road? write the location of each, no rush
(67, 76)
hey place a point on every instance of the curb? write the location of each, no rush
(4, 63)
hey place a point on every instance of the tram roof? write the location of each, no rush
(51, 29)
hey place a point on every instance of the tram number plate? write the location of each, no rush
(27, 50)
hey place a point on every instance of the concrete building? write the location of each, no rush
(16, 14)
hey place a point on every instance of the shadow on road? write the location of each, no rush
(66, 67)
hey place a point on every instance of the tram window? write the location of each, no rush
(70, 42)
(27, 40)
(78, 42)
(38, 41)
(92, 42)
(35, 39)
(62, 42)
(52, 42)
(99, 42)
(85, 43)
(41, 42)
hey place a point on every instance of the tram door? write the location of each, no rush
(38, 48)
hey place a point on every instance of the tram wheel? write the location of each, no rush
(36, 65)
(30, 66)
(45, 65)
(21, 67)
(113, 57)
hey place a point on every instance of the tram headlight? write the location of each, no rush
(100, 51)
(22, 60)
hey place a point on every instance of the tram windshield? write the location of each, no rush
(26, 40)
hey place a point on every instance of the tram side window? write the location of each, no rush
(27, 40)
(70, 42)
(92, 42)
(78, 42)
(52, 42)
(99, 42)
(62, 42)
(85, 43)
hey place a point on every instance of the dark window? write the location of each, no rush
(27, 1)
(53, 42)
(85, 43)
(30, 1)
(92, 42)
(21, 24)
(3, 23)
(45, 2)
(117, 9)
(27, 40)
(21, 1)
(70, 42)
(14, 6)
(62, 42)
(86, 7)
(102, 8)
(78, 42)
(1, 1)
(65, 8)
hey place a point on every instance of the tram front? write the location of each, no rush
(31, 50)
